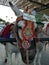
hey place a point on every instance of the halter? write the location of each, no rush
(28, 32)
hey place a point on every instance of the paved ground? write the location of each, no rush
(44, 58)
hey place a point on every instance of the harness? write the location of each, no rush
(26, 44)
(28, 32)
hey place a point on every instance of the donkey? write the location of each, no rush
(25, 37)
(8, 33)
(2, 54)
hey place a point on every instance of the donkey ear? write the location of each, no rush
(10, 4)
(15, 9)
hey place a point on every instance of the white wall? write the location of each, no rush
(7, 14)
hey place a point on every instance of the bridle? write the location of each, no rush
(27, 34)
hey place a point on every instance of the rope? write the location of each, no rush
(27, 57)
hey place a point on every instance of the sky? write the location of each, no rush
(7, 14)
